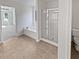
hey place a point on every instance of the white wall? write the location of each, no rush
(51, 4)
(75, 11)
(23, 13)
(25, 18)
(28, 2)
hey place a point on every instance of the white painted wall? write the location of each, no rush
(33, 34)
(28, 2)
(25, 19)
(75, 14)
(51, 4)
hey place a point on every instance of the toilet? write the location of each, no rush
(76, 38)
(76, 41)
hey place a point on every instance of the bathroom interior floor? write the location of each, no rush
(24, 47)
(74, 54)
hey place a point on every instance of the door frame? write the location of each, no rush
(65, 29)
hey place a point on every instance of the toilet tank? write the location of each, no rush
(75, 32)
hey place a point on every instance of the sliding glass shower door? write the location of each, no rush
(53, 25)
(50, 24)
(8, 22)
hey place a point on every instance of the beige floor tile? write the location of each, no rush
(26, 48)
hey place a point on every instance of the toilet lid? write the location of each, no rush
(76, 40)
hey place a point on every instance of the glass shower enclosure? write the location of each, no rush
(50, 24)
(8, 25)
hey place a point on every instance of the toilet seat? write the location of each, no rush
(77, 47)
(76, 40)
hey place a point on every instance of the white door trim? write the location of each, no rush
(64, 29)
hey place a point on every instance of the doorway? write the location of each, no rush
(8, 23)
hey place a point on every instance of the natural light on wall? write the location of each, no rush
(34, 22)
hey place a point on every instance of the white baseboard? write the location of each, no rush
(31, 34)
(19, 34)
(7, 40)
(1, 42)
(46, 40)
(33, 37)
(37, 40)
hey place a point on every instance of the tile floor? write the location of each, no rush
(24, 47)
(74, 52)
